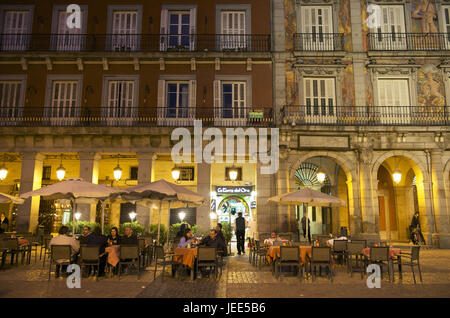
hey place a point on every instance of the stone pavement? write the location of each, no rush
(239, 279)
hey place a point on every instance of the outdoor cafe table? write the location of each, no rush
(113, 254)
(186, 256)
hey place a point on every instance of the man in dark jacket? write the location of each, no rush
(220, 235)
(415, 228)
(213, 241)
(239, 229)
(129, 238)
(97, 239)
(304, 218)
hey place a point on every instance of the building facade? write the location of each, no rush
(361, 93)
(111, 90)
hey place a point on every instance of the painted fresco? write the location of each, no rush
(348, 92)
(345, 24)
(424, 16)
(290, 23)
(369, 90)
(365, 27)
(430, 89)
(291, 86)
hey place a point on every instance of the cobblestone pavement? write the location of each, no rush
(239, 279)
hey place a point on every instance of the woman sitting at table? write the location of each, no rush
(274, 237)
(185, 239)
(114, 237)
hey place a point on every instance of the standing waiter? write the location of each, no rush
(239, 230)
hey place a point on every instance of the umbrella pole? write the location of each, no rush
(159, 220)
(74, 208)
(168, 224)
(103, 215)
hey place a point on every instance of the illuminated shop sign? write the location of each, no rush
(234, 190)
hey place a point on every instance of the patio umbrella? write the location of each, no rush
(6, 198)
(77, 190)
(162, 190)
(307, 197)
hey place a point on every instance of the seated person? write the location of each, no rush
(213, 241)
(185, 239)
(129, 238)
(220, 233)
(64, 239)
(84, 236)
(114, 237)
(274, 237)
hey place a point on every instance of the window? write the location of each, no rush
(178, 28)
(134, 173)
(65, 38)
(64, 99)
(120, 98)
(445, 21)
(233, 30)
(11, 93)
(393, 97)
(319, 97)
(124, 31)
(46, 172)
(187, 174)
(176, 98)
(391, 33)
(231, 99)
(317, 28)
(16, 29)
(227, 173)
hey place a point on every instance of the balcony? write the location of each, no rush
(366, 115)
(409, 41)
(135, 42)
(135, 117)
(311, 42)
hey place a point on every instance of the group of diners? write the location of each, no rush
(214, 239)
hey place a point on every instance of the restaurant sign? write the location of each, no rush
(234, 190)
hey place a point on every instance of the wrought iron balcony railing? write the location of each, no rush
(367, 115)
(318, 42)
(147, 116)
(409, 41)
(135, 42)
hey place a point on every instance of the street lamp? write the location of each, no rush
(77, 216)
(321, 176)
(132, 216)
(176, 173)
(3, 172)
(233, 173)
(397, 176)
(60, 172)
(182, 215)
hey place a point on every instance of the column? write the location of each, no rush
(369, 214)
(264, 210)
(30, 179)
(279, 65)
(204, 188)
(145, 162)
(282, 214)
(89, 166)
(439, 199)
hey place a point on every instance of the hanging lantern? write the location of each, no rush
(60, 172)
(176, 172)
(233, 173)
(3, 172)
(117, 172)
(321, 176)
(182, 215)
(397, 176)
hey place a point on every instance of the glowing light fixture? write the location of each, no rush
(233, 173)
(132, 216)
(213, 216)
(3, 172)
(176, 173)
(117, 171)
(397, 176)
(321, 176)
(61, 171)
(77, 215)
(182, 215)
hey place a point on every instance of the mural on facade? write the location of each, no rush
(345, 24)
(365, 28)
(430, 90)
(424, 17)
(290, 23)
(291, 87)
(348, 91)
(369, 90)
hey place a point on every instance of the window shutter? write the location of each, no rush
(161, 98)
(192, 98)
(163, 30)
(217, 99)
(306, 20)
(192, 28)
(327, 20)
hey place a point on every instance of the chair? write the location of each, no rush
(323, 241)
(149, 248)
(339, 249)
(364, 242)
(45, 239)
(207, 257)
(12, 245)
(354, 249)
(250, 250)
(259, 253)
(32, 246)
(59, 255)
(413, 259)
(289, 256)
(90, 256)
(129, 254)
(321, 256)
(143, 251)
(380, 255)
(163, 259)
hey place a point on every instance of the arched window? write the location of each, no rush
(306, 176)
